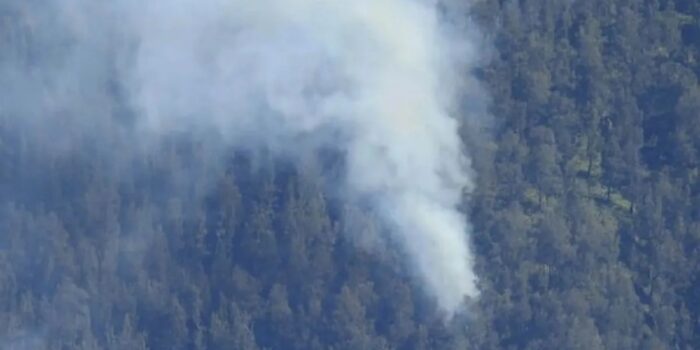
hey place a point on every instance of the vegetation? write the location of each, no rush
(586, 216)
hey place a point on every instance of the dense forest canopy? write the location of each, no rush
(586, 212)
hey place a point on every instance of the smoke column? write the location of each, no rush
(374, 79)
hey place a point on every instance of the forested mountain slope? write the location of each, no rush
(587, 209)
(586, 214)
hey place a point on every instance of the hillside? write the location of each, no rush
(585, 212)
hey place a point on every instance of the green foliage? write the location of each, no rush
(586, 224)
(609, 177)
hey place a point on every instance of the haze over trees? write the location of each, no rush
(586, 214)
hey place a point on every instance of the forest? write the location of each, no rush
(585, 214)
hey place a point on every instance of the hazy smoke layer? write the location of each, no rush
(372, 78)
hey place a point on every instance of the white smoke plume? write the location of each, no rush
(374, 79)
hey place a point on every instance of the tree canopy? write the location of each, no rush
(586, 214)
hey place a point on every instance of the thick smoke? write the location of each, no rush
(375, 80)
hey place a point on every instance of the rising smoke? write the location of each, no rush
(375, 80)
